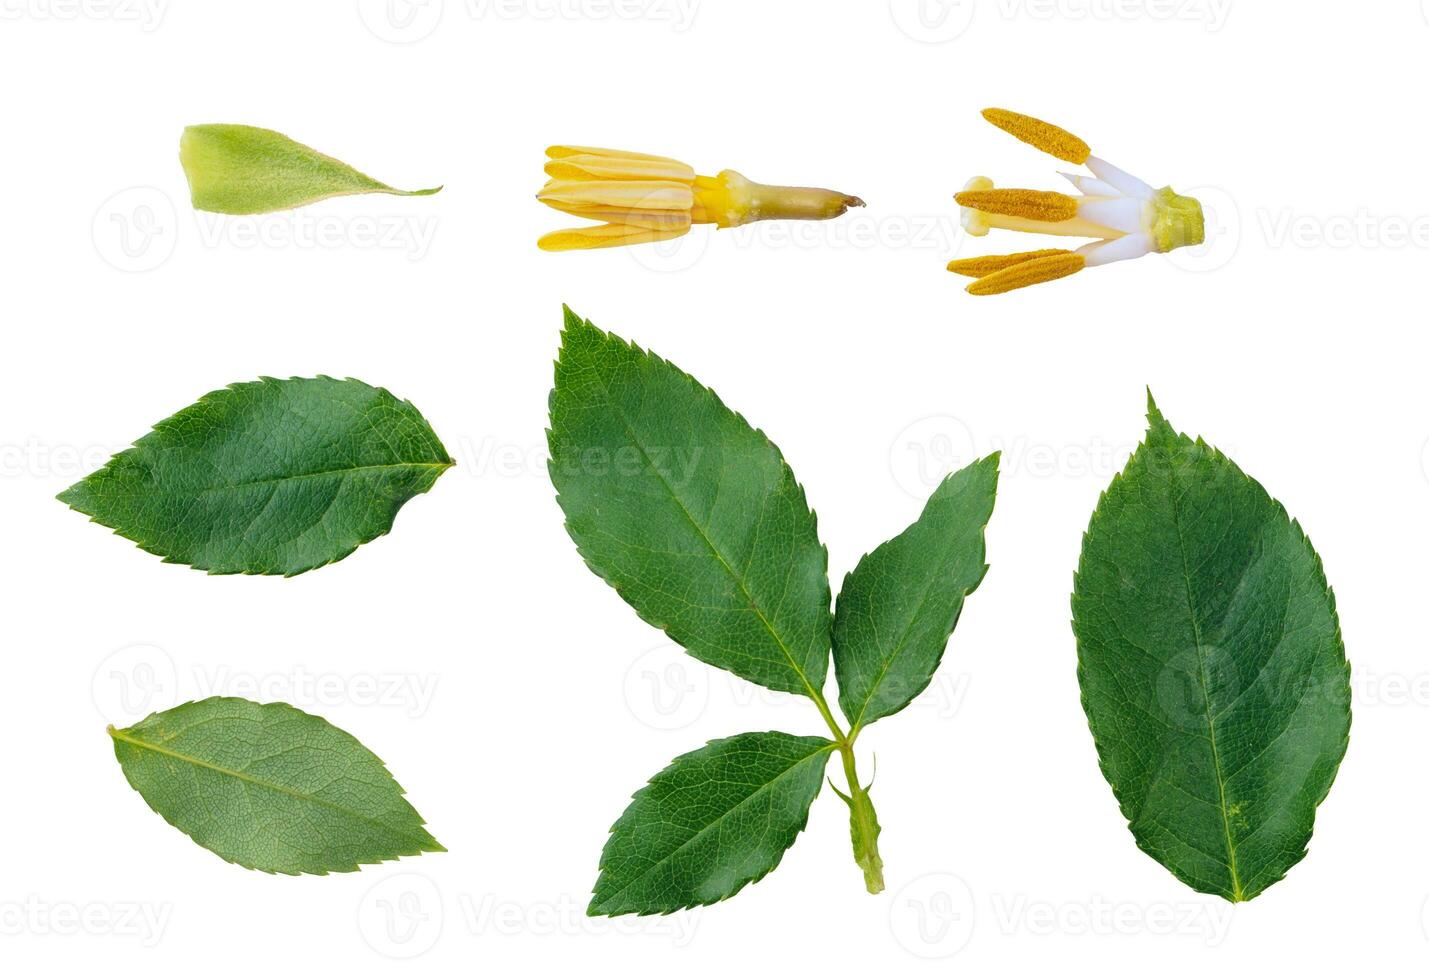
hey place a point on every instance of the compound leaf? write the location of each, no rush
(1211, 666)
(900, 604)
(713, 821)
(267, 477)
(269, 787)
(688, 512)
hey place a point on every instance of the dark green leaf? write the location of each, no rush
(710, 823)
(270, 787)
(692, 515)
(900, 605)
(1211, 666)
(267, 477)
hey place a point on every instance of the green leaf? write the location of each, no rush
(692, 515)
(1211, 665)
(269, 787)
(710, 823)
(246, 170)
(267, 477)
(900, 605)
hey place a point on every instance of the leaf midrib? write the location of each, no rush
(1236, 892)
(896, 653)
(705, 830)
(124, 736)
(709, 543)
(343, 471)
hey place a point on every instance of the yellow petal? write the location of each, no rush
(589, 166)
(561, 152)
(1048, 138)
(1028, 274)
(626, 216)
(630, 195)
(986, 265)
(1019, 203)
(605, 236)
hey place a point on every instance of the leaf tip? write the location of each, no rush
(574, 321)
(1156, 422)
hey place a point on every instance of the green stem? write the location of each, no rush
(828, 715)
(863, 820)
(863, 823)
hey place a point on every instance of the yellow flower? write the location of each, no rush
(1128, 217)
(642, 198)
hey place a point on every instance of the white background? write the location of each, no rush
(513, 694)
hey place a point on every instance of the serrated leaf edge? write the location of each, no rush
(857, 724)
(593, 910)
(119, 734)
(1157, 420)
(223, 392)
(574, 322)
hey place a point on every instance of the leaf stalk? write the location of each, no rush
(863, 823)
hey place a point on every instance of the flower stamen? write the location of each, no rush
(1029, 273)
(1125, 216)
(1052, 140)
(1015, 202)
(986, 265)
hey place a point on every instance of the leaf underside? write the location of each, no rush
(1212, 670)
(713, 821)
(900, 604)
(269, 787)
(234, 169)
(688, 512)
(269, 477)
